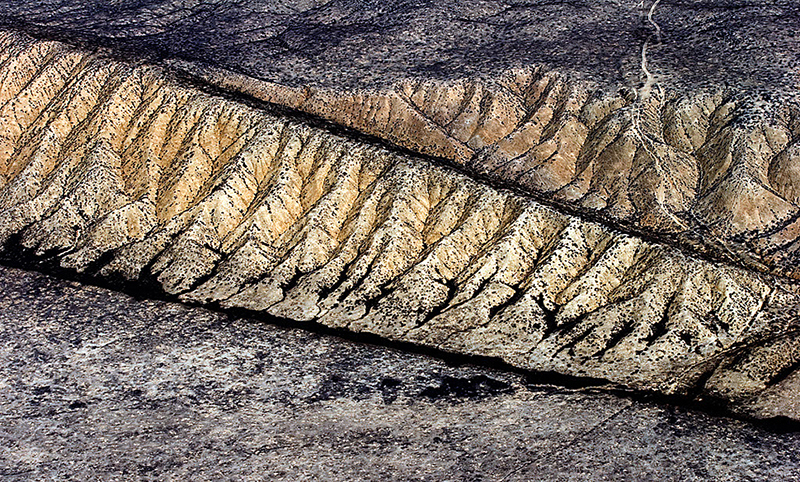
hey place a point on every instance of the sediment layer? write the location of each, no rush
(675, 120)
(114, 170)
(712, 170)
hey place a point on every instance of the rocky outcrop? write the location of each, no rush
(712, 170)
(117, 171)
(671, 120)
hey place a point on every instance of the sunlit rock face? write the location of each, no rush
(710, 170)
(651, 237)
(673, 120)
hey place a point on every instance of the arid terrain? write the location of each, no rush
(602, 190)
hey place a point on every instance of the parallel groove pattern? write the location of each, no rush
(711, 169)
(121, 172)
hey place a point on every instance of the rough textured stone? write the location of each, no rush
(95, 385)
(358, 43)
(118, 172)
(677, 120)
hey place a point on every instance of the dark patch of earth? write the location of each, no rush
(97, 385)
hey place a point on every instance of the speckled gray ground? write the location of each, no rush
(748, 44)
(96, 385)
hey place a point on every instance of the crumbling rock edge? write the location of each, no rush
(149, 289)
(112, 170)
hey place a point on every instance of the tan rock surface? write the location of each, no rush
(114, 170)
(710, 170)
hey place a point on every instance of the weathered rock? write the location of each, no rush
(673, 120)
(96, 385)
(708, 170)
(115, 170)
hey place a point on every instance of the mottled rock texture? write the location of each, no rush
(358, 43)
(116, 170)
(96, 385)
(673, 119)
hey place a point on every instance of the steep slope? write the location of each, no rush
(115, 170)
(674, 120)
(712, 170)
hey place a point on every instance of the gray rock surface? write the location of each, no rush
(96, 385)
(358, 43)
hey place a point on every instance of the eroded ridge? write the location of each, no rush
(714, 170)
(114, 170)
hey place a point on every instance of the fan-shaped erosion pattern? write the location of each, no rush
(677, 120)
(646, 234)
